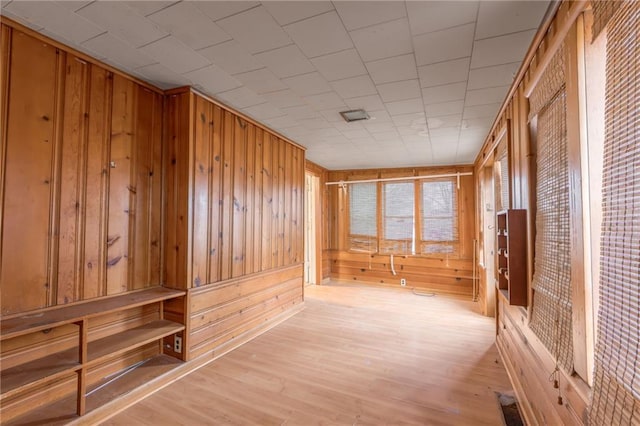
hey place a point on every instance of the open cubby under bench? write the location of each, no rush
(33, 373)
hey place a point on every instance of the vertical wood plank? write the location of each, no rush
(96, 184)
(249, 203)
(275, 196)
(176, 163)
(201, 171)
(72, 171)
(28, 174)
(142, 191)
(239, 197)
(288, 211)
(227, 196)
(122, 129)
(215, 196)
(156, 195)
(257, 202)
(267, 201)
(83, 340)
(282, 176)
(295, 208)
(5, 67)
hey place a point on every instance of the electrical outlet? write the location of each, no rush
(403, 282)
(177, 344)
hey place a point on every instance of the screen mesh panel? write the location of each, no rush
(439, 214)
(616, 392)
(602, 13)
(363, 231)
(551, 307)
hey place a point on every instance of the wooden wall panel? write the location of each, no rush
(94, 264)
(82, 206)
(28, 174)
(239, 197)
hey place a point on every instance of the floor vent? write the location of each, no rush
(510, 412)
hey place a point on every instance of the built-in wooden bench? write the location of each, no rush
(34, 373)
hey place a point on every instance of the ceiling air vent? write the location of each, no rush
(354, 115)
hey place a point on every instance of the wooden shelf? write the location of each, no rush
(69, 314)
(116, 344)
(32, 374)
(85, 354)
(511, 257)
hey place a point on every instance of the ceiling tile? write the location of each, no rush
(217, 10)
(286, 12)
(356, 134)
(358, 14)
(212, 79)
(162, 77)
(484, 96)
(55, 18)
(283, 98)
(444, 72)
(123, 22)
(400, 90)
(242, 97)
(475, 123)
(255, 29)
(506, 17)
(501, 50)
(481, 111)
(320, 35)
(301, 112)
(414, 120)
(444, 93)
(261, 81)
(146, 7)
(173, 54)
(445, 121)
(430, 16)
(332, 116)
(447, 135)
(71, 5)
(444, 108)
(307, 84)
(329, 100)
(368, 103)
(405, 107)
(188, 24)
(118, 51)
(354, 87)
(380, 116)
(375, 127)
(388, 136)
(315, 123)
(281, 122)
(383, 40)
(263, 111)
(286, 61)
(231, 57)
(445, 45)
(393, 69)
(19, 19)
(336, 66)
(499, 75)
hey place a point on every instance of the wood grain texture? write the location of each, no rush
(319, 367)
(28, 175)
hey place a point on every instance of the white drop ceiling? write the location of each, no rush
(431, 74)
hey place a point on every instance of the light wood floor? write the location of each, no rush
(355, 355)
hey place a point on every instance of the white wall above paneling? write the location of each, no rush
(431, 74)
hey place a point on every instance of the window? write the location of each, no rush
(439, 215)
(363, 227)
(417, 216)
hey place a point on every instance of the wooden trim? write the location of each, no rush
(232, 110)
(15, 25)
(5, 69)
(314, 168)
(578, 288)
(528, 59)
(577, 7)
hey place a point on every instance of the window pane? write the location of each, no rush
(439, 211)
(398, 210)
(362, 209)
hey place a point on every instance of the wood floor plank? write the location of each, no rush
(355, 355)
